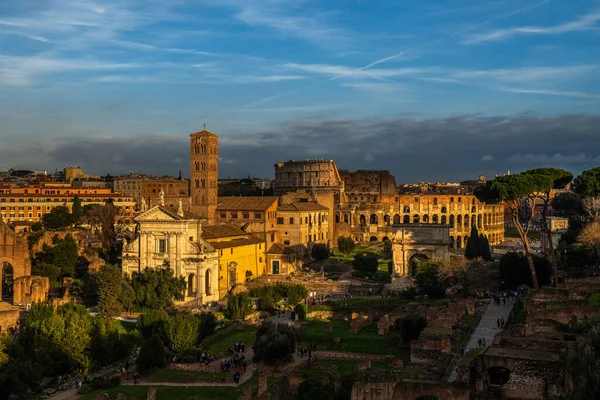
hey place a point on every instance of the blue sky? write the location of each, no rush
(431, 90)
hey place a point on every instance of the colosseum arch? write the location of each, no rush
(346, 219)
(337, 217)
(459, 220)
(444, 210)
(406, 210)
(406, 219)
(458, 242)
(425, 219)
(396, 219)
(373, 219)
(473, 209)
(363, 219)
(434, 219)
(386, 219)
(479, 221)
(466, 220)
(444, 219)
(416, 219)
(452, 220)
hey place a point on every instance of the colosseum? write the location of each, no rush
(368, 203)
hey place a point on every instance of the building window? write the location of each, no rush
(451, 199)
(435, 201)
(286, 242)
(272, 237)
(234, 215)
(246, 215)
(162, 246)
(260, 259)
(292, 221)
(223, 215)
(280, 221)
(459, 199)
(416, 199)
(257, 216)
(191, 238)
(231, 251)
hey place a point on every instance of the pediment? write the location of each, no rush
(157, 213)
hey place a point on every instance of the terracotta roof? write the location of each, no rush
(219, 231)
(278, 248)
(237, 242)
(203, 132)
(303, 206)
(246, 203)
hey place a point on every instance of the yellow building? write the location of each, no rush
(303, 224)
(241, 254)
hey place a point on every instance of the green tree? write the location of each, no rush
(110, 342)
(182, 331)
(274, 345)
(388, 251)
(152, 354)
(584, 361)
(37, 227)
(567, 204)
(590, 237)
(473, 248)
(76, 210)
(300, 309)
(208, 324)
(157, 288)
(558, 179)
(345, 244)
(115, 295)
(319, 252)
(514, 270)
(365, 262)
(152, 322)
(410, 327)
(64, 254)
(58, 218)
(427, 279)
(239, 306)
(511, 191)
(587, 186)
(49, 270)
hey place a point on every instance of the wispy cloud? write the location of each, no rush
(567, 93)
(583, 23)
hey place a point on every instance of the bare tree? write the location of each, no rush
(590, 237)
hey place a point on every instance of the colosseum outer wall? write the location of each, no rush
(373, 221)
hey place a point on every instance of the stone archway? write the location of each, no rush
(7, 281)
(373, 239)
(396, 219)
(499, 375)
(373, 220)
(14, 252)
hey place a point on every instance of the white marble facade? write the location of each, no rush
(174, 237)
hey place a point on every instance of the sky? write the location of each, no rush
(437, 90)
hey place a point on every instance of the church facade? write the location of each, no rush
(173, 238)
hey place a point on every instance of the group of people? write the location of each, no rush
(500, 323)
(207, 359)
(306, 352)
(236, 359)
(481, 342)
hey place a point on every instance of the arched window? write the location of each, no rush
(396, 219)
(203, 165)
(444, 210)
(203, 182)
(337, 217)
(346, 218)
(459, 221)
(458, 242)
(473, 220)
(373, 219)
(197, 165)
(192, 285)
(406, 220)
(208, 282)
(363, 219)
(425, 219)
(473, 209)
(452, 220)
(406, 209)
(386, 219)
(416, 219)
(444, 219)
(197, 183)
(466, 220)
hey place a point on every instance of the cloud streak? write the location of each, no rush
(583, 23)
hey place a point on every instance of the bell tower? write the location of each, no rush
(204, 173)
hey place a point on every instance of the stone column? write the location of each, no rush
(200, 276)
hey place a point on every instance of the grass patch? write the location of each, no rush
(179, 376)
(594, 300)
(124, 326)
(139, 392)
(365, 341)
(512, 233)
(219, 348)
(381, 366)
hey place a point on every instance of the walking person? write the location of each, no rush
(479, 342)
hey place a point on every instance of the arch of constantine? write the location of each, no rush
(414, 242)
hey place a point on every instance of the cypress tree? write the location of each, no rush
(473, 248)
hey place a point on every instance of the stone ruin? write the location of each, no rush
(434, 346)
(29, 289)
(383, 325)
(359, 321)
(65, 299)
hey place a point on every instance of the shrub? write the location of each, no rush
(366, 262)
(300, 310)
(152, 354)
(320, 252)
(239, 306)
(345, 244)
(151, 322)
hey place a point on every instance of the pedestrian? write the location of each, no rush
(502, 322)
(498, 323)
(479, 342)
(222, 378)
(214, 379)
(483, 342)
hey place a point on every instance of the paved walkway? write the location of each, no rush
(487, 327)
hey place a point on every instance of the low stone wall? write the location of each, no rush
(563, 315)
